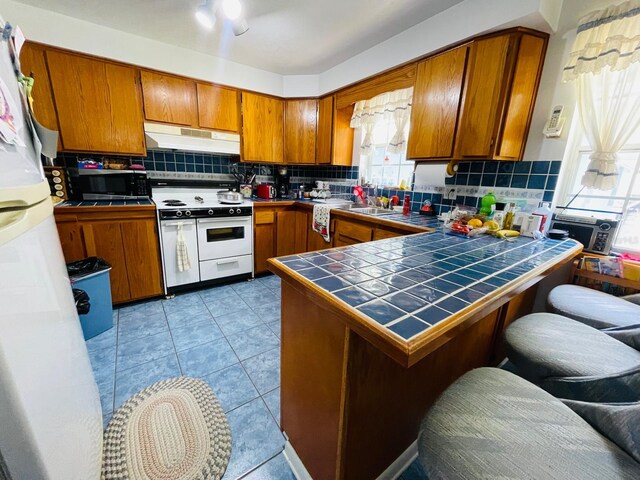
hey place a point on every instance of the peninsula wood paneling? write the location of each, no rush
(169, 99)
(98, 104)
(436, 102)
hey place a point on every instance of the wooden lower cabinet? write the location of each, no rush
(264, 238)
(380, 233)
(349, 233)
(285, 232)
(127, 241)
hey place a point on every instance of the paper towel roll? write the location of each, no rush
(430, 174)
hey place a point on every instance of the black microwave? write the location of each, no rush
(105, 184)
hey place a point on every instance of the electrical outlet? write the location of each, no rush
(450, 193)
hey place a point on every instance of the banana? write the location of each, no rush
(507, 233)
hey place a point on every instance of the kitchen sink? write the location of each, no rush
(371, 210)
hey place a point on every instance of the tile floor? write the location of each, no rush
(228, 335)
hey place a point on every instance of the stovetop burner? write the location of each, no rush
(174, 203)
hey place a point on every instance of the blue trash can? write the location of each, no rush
(91, 275)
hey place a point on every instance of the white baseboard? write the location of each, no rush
(391, 473)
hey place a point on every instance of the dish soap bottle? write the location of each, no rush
(543, 211)
(488, 204)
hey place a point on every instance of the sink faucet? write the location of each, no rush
(372, 202)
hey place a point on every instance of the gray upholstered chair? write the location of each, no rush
(618, 317)
(493, 424)
(572, 360)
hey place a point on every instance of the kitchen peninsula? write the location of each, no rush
(372, 333)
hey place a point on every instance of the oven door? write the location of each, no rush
(169, 234)
(224, 237)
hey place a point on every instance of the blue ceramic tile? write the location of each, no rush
(463, 167)
(503, 180)
(488, 180)
(134, 327)
(458, 279)
(484, 288)
(469, 295)
(490, 167)
(106, 399)
(104, 371)
(452, 304)
(552, 180)
(269, 312)
(141, 309)
(258, 297)
(320, 260)
(207, 358)
(536, 181)
(476, 167)
(381, 311)
(143, 350)
(238, 321)
(375, 271)
(497, 282)
(554, 169)
(253, 341)
(473, 274)
(331, 283)
(377, 287)
(104, 340)
(417, 275)
(432, 315)
(354, 296)
(275, 327)
(522, 167)
(442, 285)
(296, 263)
(231, 303)
(248, 288)
(397, 281)
(426, 293)
(255, 438)
(540, 167)
(405, 301)
(474, 179)
(194, 334)
(264, 370)
(272, 281)
(338, 256)
(129, 382)
(413, 472)
(519, 181)
(313, 273)
(337, 268)
(232, 386)
(505, 167)
(409, 327)
(272, 399)
(461, 178)
(484, 268)
(548, 196)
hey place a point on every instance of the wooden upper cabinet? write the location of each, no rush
(436, 101)
(483, 93)
(218, 107)
(325, 130)
(262, 137)
(98, 103)
(33, 63)
(301, 122)
(169, 99)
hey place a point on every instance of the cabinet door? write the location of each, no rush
(104, 239)
(315, 241)
(264, 245)
(302, 226)
(285, 232)
(521, 98)
(169, 99)
(342, 139)
(348, 233)
(33, 63)
(98, 104)
(71, 240)
(301, 121)
(262, 128)
(142, 254)
(484, 91)
(325, 130)
(379, 233)
(436, 102)
(218, 108)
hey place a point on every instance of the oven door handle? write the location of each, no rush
(229, 219)
(164, 224)
(224, 262)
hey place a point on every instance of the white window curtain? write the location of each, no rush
(394, 105)
(605, 64)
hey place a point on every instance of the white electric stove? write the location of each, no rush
(218, 236)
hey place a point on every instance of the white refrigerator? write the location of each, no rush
(50, 415)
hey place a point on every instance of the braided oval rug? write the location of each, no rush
(174, 429)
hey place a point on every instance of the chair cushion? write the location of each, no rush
(493, 424)
(545, 345)
(594, 308)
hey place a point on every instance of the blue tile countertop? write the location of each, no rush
(411, 285)
(106, 203)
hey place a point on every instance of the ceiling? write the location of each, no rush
(288, 37)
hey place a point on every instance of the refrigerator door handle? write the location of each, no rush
(15, 222)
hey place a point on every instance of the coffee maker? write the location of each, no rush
(282, 182)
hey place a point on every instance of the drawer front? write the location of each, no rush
(355, 231)
(226, 267)
(262, 218)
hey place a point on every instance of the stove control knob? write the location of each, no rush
(178, 213)
(210, 212)
(238, 211)
(187, 213)
(231, 211)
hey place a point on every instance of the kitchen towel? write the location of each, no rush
(182, 254)
(320, 222)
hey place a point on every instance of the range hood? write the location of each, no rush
(169, 137)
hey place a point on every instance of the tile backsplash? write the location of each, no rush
(532, 181)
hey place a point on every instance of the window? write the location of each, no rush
(381, 167)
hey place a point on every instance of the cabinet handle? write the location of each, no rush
(225, 262)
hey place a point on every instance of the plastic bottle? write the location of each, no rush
(488, 204)
(406, 206)
(543, 211)
(509, 214)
